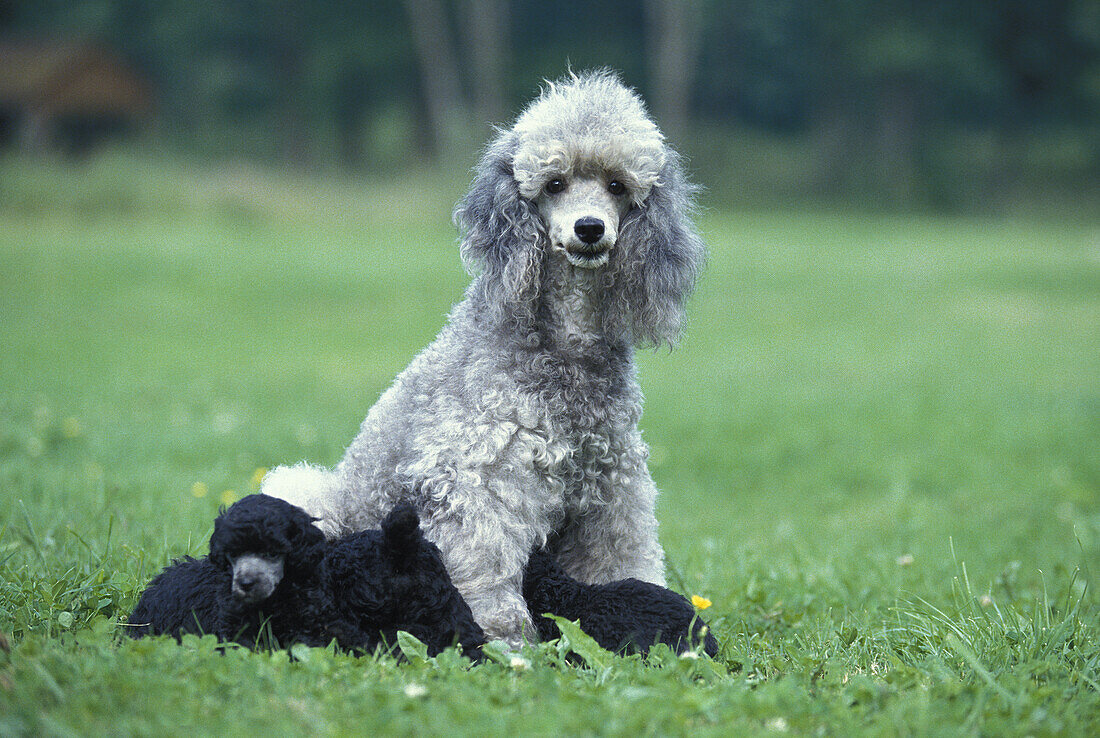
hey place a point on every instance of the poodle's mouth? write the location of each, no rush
(251, 596)
(587, 256)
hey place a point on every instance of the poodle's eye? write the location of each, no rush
(555, 186)
(615, 187)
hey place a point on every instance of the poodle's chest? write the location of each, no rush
(559, 429)
(577, 439)
(594, 386)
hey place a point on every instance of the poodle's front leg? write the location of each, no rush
(618, 539)
(501, 612)
(485, 547)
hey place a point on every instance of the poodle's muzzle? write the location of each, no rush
(582, 218)
(255, 576)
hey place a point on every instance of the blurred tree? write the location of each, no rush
(438, 64)
(487, 26)
(878, 90)
(1045, 48)
(673, 49)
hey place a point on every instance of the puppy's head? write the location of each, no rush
(259, 539)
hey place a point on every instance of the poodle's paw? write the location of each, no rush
(512, 626)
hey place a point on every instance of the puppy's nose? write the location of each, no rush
(245, 583)
(589, 229)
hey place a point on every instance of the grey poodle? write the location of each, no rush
(518, 426)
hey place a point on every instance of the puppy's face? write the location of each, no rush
(583, 214)
(255, 576)
(258, 539)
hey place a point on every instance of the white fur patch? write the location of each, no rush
(309, 487)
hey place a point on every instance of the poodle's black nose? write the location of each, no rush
(589, 229)
(246, 583)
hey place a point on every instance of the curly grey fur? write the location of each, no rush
(518, 425)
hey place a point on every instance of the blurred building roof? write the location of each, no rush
(70, 77)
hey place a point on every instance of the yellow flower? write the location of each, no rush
(35, 447)
(229, 497)
(70, 427)
(198, 489)
(701, 603)
(257, 477)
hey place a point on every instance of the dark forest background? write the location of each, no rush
(934, 103)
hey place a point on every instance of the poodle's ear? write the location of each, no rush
(661, 256)
(302, 532)
(401, 531)
(218, 540)
(503, 233)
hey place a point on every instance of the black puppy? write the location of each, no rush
(256, 543)
(272, 579)
(628, 615)
(377, 582)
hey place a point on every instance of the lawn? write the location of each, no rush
(878, 447)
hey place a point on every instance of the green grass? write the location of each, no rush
(878, 446)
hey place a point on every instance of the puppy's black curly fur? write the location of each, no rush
(358, 590)
(627, 615)
(377, 582)
(184, 598)
(195, 595)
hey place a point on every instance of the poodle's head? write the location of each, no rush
(584, 176)
(586, 153)
(261, 539)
